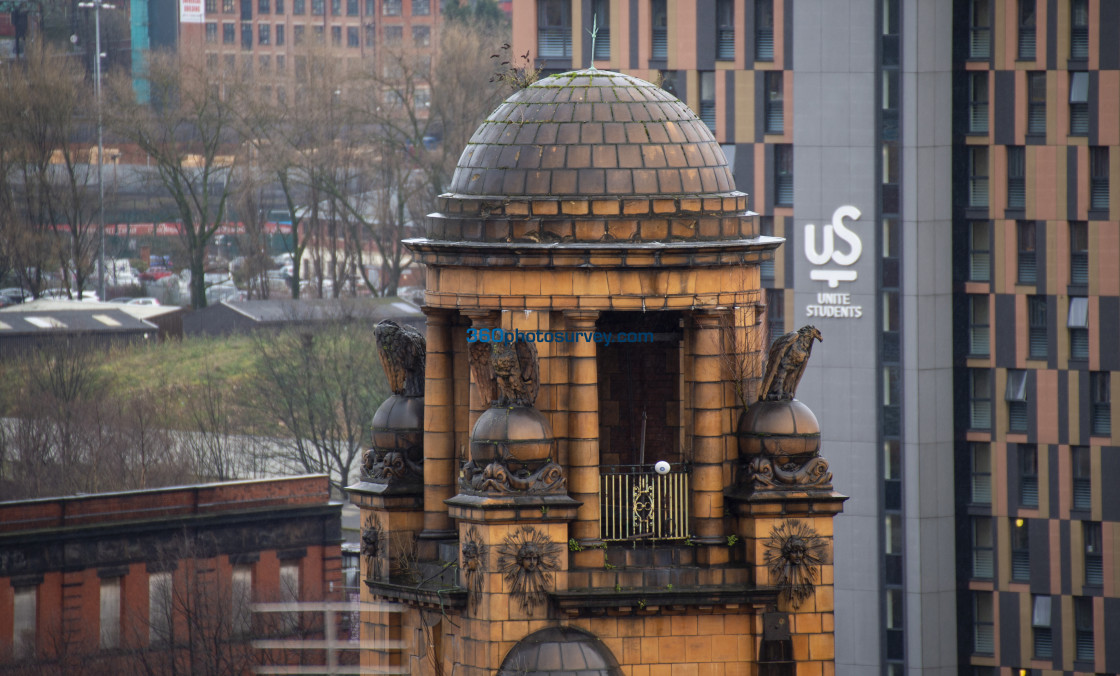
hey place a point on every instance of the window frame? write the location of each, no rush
(1079, 30)
(1092, 558)
(983, 548)
(241, 600)
(978, 172)
(1099, 175)
(1026, 241)
(1027, 25)
(554, 29)
(764, 31)
(1078, 103)
(1016, 177)
(161, 588)
(391, 7)
(659, 30)
(109, 613)
(1079, 253)
(775, 313)
(979, 327)
(980, 399)
(979, 259)
(1016, 398)
(1081, 478)
(983, 623)
(1083, 629)
(1036, 103)
(1100, 403)
(774, 102)
(1041, 623)
(980, 467)
(1037, 327)
(783, 174)
(978, 102)
(1020, 540)
(725, 30)
(264, 34)
(1027, 456)
(25, 621)
(980, 30)
(601, 12)
(1077, 322)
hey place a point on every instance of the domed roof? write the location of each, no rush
(592, 133)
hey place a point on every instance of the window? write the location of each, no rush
(708, 99)
(1026, 29)
(775, 101)
(554, 29)
(659, 22)
(979, 338)
(783, 175)
(281, 94)
(725, 30)
(391, 7)
(336, 7)
(371, 35)
(1036, 103)
(352, 37)
(1036, 327)
(159, 608)
(764, 30)
(393, 35)
(351, 7)
(1100, 406)
(299, 6)
(1020, 550)
(1094, 563)
(978, 102)
(371, 8)
(980, 403)
(297, 34)
(229, 34)
(1016, 177)
(1079, 104)
(1098, 178)
(23, 622)
(981, 473)
(1083, 624)
(776, 313)
(1028, 475)
(264, 33)
(979, 252)
(211, 32)
(982, 561)
(227, 6)
(422, 36)
(211, 6)
(110, 620)
(264, 64)
(318, 7)
(983, 627)
(1016, 397)
(279, 6)
(1078, 325)
(246, 10)
(1040, 625)
(422, 99)
(241, 599)
(766, 268)
(289, 592)
(421, 7)
(978, 176)
(892, 475)
(980, 30)
(1082, 470)
(264, 6)
(281, 62)
(279, 35)
(246, 36)
(336, 36)
(1078, 252)
(1079, 30)
(1025, 236)
(601, 13)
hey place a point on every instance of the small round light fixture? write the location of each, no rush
(661, 467)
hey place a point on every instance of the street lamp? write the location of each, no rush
(97, 6)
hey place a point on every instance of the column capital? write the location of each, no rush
(436, 315)
(483, 319)
(581, 317)
(710, 317)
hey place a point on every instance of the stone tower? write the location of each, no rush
(585, 492)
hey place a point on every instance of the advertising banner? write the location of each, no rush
(191, 11)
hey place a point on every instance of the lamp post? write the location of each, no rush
(97, 6)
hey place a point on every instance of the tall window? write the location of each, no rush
(601, 10)
(978, 176)
(1040, 626)
(211, 7)
(299, 6)
(1079, 30)
(422, 36)
(279, 35)
(783, 175)
(1020, 550)
(159, 608)
(554, 29)
(659, 22)
(1100, 403)
(1026, 29)
(1036, 327)
(982, 547)
(1083, 624)
(979, 251)
(264, 33)
(1078, 325)
(279, 6)
(1098, 178)
(979, 335)
(1078, 252)
(1094, 563)
(1079, 104)
(391, 7)
(318, 8)
(227, 6)
(980, 29)
(211, 32)
(1016, 177)
(981, 473)
(776, 313)
(725, 30)
(983, 636)
(775, 101)
(229, 34)
(352, 7)
(110, 617)
(1016, 398)
(1036, 103)
(241, 599)
(1028, 475)
(764, 30)
(246, 10)
(246, 36)
(1082, 471)
(264, 6)
(766, 268)
(980, 400)
(394, 35)
(289, 591)
(1025, 236)
(421, 7)
(978, 102)
(297, 35)
(352, 37)
(708, 98)
(336, 36)
(23, 622)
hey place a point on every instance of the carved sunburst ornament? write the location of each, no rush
(372, 537)
(527, 559)
(474, 565)
(794, 554)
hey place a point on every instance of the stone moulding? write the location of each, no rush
(602, 601)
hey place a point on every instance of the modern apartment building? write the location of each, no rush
(940, 172)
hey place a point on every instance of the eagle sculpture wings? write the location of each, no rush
(506, 374)
(402, 351)
(786, 363)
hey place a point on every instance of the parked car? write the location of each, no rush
(16, 294)
(146, 300)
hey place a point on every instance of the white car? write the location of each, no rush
(142, 301)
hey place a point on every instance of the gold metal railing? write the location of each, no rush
(639, 504)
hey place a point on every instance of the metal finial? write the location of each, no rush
(594, 33)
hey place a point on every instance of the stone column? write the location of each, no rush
(583, 430)
(440, 470)
(708, 408)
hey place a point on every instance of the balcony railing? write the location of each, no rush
(636, 503)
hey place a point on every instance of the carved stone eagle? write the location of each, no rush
(786, 363)
(506, 374)
(403, 351)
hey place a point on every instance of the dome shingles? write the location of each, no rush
(587, 134)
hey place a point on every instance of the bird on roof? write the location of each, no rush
(786, 363)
